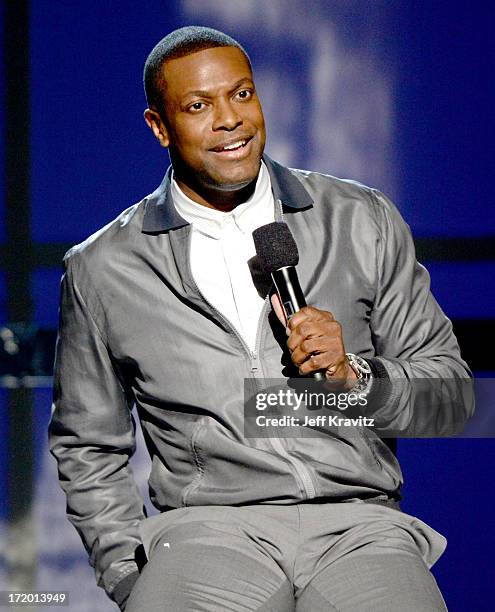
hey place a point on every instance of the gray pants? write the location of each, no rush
(307, 557)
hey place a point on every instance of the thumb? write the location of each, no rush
(279, 309)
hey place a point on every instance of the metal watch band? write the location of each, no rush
(363, 373)
(360, 366)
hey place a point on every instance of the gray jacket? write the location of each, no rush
(134, 329)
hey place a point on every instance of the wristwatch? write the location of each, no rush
(363, 373)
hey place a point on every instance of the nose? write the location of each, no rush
(226, 116)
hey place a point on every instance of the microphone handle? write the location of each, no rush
(292, 298)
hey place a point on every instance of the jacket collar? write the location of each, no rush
(160, 213)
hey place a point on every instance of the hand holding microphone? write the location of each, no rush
(315, 337)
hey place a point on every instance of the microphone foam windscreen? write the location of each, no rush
(275, 246)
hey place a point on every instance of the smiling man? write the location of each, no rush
(160, 310)
(209, 116)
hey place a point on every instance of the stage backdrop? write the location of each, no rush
(392, 94)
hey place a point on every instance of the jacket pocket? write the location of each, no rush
(196, 458)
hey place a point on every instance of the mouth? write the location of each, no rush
(233, 147)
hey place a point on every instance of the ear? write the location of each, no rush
(157, 126)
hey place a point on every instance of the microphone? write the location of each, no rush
(278, 256)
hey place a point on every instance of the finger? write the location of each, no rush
(328, 349)
(332, 365)
(278, 309)
(309, 313)
(331, 330)
(313, 364)
(306, 348)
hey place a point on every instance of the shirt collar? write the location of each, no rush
(212, 222)
(161, 215)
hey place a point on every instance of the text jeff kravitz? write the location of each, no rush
(322, 420)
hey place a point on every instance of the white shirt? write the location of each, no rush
(221, 246)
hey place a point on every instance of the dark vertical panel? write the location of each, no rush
(2, 127)
(18, 262)
(3, 454)
(17, 214)
(20, 480)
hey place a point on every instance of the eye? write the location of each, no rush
(196, 107)
(244, 94)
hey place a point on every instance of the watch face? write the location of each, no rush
(360, 366)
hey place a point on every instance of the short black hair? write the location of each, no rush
(179, 43)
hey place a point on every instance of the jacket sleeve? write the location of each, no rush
(91, 435)
(429, 389)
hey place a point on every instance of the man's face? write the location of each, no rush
(213, 123)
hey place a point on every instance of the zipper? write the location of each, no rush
(253, 354)
(301, 472)
(300, 468)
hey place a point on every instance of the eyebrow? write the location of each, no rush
(206, 94)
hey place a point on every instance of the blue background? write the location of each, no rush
(394, 94)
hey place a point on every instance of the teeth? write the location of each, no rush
(235, 145)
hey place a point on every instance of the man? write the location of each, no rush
(159, 309)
